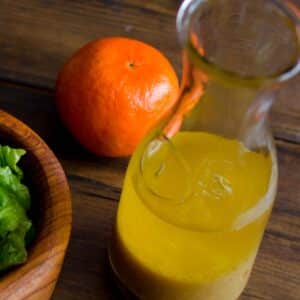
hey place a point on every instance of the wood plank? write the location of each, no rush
(96, 186)
(160, 6)
(36, 108)
(33, 57)
(61, 27)
(286, 111)
(85, 272)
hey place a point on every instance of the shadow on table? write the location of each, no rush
(118, 290)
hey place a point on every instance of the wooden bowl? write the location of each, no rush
(51, 214)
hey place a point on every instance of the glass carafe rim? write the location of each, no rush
(183, 20)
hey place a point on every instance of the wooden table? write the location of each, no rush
(35, 39)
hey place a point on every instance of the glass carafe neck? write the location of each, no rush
(234, 59)
(223, 107)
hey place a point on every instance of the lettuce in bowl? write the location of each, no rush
(15, 202)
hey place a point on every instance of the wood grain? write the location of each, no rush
(36, 108)
(96, 185)
(33, 57)
(61, 27)
(51, 215)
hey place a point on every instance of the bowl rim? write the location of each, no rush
(38, 276)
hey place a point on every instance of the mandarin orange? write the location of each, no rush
(112, 92)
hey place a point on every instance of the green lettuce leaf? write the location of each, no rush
(10, 157)
(11, 182)
(12, 249)
(14, 203)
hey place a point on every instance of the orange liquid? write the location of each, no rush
(200, 242)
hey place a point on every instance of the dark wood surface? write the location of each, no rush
(35, 39)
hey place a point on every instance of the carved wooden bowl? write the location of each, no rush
(51, 214)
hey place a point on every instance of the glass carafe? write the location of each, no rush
(200, 187)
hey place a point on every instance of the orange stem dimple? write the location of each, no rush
(131, 65)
